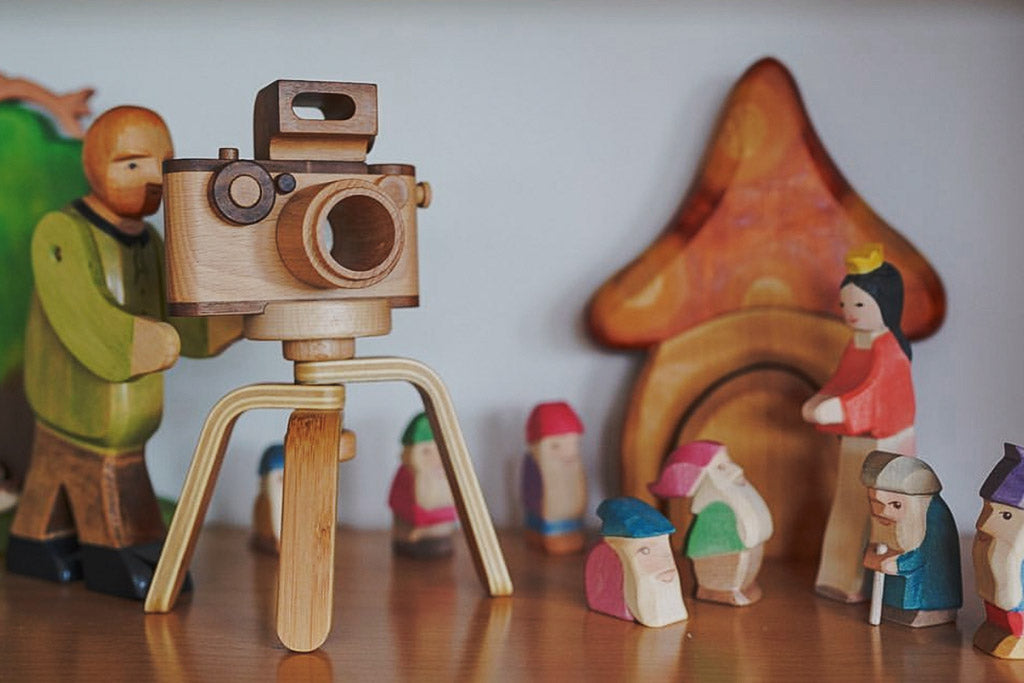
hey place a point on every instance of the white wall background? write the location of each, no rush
(559, 139)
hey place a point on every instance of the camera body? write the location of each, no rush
(307, 220)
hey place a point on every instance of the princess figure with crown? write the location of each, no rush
(869, 403)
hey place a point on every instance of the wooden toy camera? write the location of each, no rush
(306, 221)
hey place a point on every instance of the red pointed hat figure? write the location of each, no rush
(869, 403)
(554, 484)
(726, 540)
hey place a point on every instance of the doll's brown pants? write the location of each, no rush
(105, 498)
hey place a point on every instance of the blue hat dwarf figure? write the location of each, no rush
(554, 484)
(420, 498)
(998, 555)
(266, 511)
(914, 541)
(631, 574)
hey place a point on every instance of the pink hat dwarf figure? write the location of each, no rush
(731, 522)
(554, 484)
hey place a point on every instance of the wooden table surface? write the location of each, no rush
(400, 619)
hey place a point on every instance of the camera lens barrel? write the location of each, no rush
(347, 233)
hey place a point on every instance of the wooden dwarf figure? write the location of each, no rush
(422, 503)
(998, 555)
(96, 344)
(921, 554)
(869, 402)
(554, 484)
(631, 574)
(266, 511)
(726, 540)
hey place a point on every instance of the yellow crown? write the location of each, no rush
(864, 259)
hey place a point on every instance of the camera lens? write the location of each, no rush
(358, 233)
(347, 233)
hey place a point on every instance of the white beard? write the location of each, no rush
(753, 519)
(654, 602)
(1004, 563)
(432, 490)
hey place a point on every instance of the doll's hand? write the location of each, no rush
(807, 410)
(828, 412)
(884, 562)
(155, 346)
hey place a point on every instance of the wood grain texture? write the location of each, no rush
(305, 585)
(398, 619)
(469, 499)
(212, 261)
(740, 380)
(344, 133)
(767, 222)
(202, 475)
(763, 231)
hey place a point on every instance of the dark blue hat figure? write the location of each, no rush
(631, 574)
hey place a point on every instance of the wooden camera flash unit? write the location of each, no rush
(314, 247)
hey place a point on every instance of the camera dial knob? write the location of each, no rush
(242, 192)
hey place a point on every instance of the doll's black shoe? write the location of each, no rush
(124, 572)
(56, 559)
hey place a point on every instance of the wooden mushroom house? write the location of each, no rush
(737, 304)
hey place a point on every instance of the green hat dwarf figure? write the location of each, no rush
(420, 499)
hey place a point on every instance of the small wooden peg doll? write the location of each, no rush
(422, 503)
(554, 484)
(266, 511)
(731, 523)
(869, 403)
(631, 573)
(97, 340)
(921, 558)
(998, 555)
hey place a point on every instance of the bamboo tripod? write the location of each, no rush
(314, 445)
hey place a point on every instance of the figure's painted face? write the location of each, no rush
(652, 587)
(423, 456)
(860, 311)
(725, 470)
(888, 507)
(563, 449)
(123, 153)
(1001, 522)
(898, 519)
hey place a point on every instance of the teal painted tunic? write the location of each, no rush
(713, 532)
(929, 575)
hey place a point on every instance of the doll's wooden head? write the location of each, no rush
(122, 154)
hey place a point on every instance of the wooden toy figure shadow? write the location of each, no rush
(736, 302)
(314, 248)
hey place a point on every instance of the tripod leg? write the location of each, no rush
(305, 584)
(476, 520)
(202, 475)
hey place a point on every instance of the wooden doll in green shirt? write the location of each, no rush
(97, 340)
(726, 539)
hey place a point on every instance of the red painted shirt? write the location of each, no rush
(402, 501)
(875, 388)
